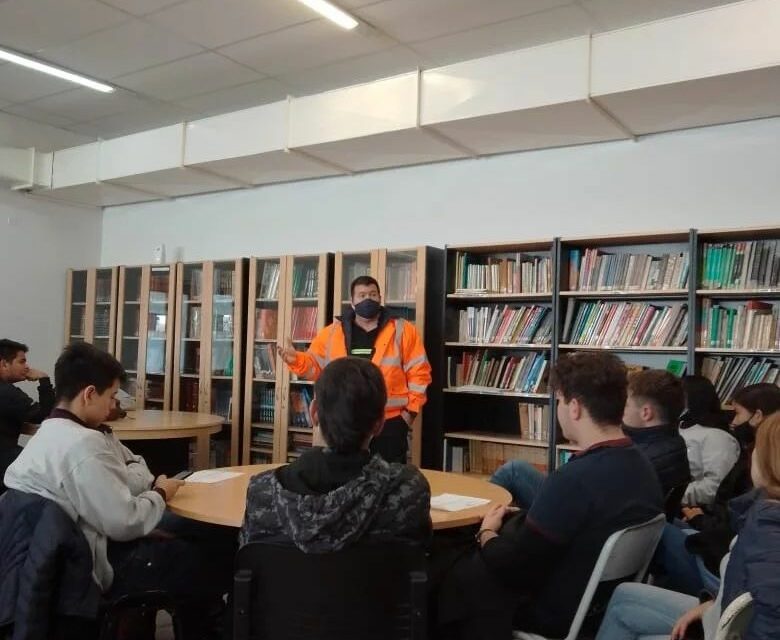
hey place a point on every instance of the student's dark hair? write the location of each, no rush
(598, 380)
(351, 398)
(82, 365)
(702, 404)
(10, 348)
(363, 281)
(764, 397)
(661, 389)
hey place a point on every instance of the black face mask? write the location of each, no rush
(744, 433)
(368, 308)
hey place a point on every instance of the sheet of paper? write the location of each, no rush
(209, 476)
(454, 502)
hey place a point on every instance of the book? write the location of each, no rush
(266, 324)
(677, 367)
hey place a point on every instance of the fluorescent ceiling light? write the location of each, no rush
(30, 63)
(332, 13)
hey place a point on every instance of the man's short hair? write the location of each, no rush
(351, 398)
(597, 380)
(363, 281)
(662, 390)
(9, 349)
(82, 365)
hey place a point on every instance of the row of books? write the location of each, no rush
(102, 321)
(754, 325)
(305, 281)
(189, 399)
(103, 287)
(485, 457)
(263, 404)
(222, 402)
(269, 281)
(158, 283)
(751, 264)
(477, 370)
(265, 361)
(596, 270)
(300, 399)
(193, 283)
(506, 325)
(401, 281)
(729, 373)
(304, 323)
(626, 324)
(299, 442)
(263, 438)
(519, 274)
(534, 421)
(223, 282)
(154, 389)
(266, 324)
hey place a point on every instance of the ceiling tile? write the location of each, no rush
(130, 47)
(615, 14)
(536, 29)
(140, 119)
(305, 46)
(32, 25)
(83, 105)
(236, 98)
(386, 63)
(18, 84)
(415, 20)
(140, 7)
(191, 76)
(38, 115)
(20, 132)
(214, 23)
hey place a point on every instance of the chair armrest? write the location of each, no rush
(242, 602)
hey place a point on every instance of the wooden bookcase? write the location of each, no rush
(735, 345)
(500, 341)
(209, 347)
(411, 280)
(289, 298)
(90, 306)
(145, 332)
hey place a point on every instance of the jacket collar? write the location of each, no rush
(643, 434)
(64, 414)
(617, 443)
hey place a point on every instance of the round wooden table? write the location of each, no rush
(149, 424)
(224, 502)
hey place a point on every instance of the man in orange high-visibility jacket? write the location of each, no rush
(368, 331)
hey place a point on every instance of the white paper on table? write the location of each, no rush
(454, 502)
(210, 476)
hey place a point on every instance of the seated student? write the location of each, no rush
(16, 407)
(654, 402)
(712, 450)
(753, 566)
(533, 570)
(77, 462)
(339, 495)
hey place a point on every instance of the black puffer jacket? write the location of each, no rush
(666, 450)
(45, 566)
(326, 501)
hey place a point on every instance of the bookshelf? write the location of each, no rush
(90, 308)
(289, 298)
(500, 342)
(208, 347)
(737, 308)
(145, 332)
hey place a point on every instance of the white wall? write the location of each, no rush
(39, 241)
(724, 176)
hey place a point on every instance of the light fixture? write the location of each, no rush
(31, 63)
(332, 13)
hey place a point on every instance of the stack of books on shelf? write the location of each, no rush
(300, 442)
(223, 282)
(269, 281)
(195, 289)
(304, 323)
(266, 324)
(491, 274)
(263, 438)
(189, 395)
(265, 361)
(754, 325)
(596, 270)
(304, 281)
(506, 325)
(741, 265)
(300, 399)
(626, 324)
(534, 421)
(730, 374)
(263, 404)
(154, 389)
(478, 371)
(401, 281)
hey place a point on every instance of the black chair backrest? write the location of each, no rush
(673, 502)
(361, 593)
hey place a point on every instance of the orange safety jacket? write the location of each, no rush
(398, 352)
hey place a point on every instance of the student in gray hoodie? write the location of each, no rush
(339, 495)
